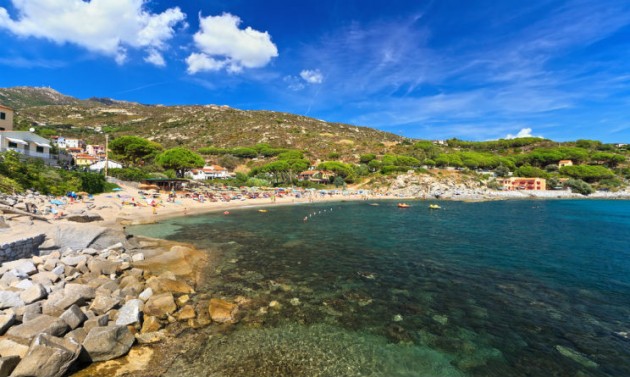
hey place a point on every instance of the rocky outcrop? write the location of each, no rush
(55, 305)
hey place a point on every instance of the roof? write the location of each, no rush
(26, 136)
(6, 107)
(85, 157)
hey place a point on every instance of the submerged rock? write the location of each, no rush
(576, 356)
(222, 311)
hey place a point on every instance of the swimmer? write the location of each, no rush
(305, 218)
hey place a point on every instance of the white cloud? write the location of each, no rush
(312, 76)
(155, 58)
(524, 132)
(109, 27)
(223, 45)
(202, 62)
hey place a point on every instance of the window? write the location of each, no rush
(2, 129)
(12, 144)
(39, 149)
(3, 115)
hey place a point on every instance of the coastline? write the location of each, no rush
(127, 207)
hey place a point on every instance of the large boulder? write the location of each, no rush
(222, 311)
(48, 356)
(39, 325)
(74, 317)
(130, 313)
(9, 347)
(82, 290)
(9, 299)
(34, 293)
(106, 343)
(76, 236)
(161, 285)
(103, 303)
(160, 305)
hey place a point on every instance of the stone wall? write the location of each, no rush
(20, 248)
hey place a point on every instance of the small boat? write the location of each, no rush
(403, 205)
(374, 204)
(434, 206)
(262, 210)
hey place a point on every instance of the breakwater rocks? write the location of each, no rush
(61, 311)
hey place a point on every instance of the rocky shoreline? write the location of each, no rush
(453, 188)
(75, 296)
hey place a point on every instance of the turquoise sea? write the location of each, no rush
(509, 288)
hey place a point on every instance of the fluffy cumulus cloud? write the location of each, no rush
(109, 27)
(312, 76)
(223, 45)
(524, 132)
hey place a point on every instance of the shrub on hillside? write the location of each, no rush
(579, 186)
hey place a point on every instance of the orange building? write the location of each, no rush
(521, 183)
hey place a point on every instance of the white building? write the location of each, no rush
(26, 143)
(75, 143)
(209, 172)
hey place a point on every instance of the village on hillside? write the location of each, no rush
(72, 153)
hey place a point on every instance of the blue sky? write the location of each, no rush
(471, 69)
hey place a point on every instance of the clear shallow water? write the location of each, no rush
(511, 288)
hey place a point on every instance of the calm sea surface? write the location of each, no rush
(510, 288)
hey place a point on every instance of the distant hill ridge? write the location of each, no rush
(192, 126)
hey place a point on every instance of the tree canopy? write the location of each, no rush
(133, 149)
(179, 159)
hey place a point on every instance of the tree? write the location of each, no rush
(133, 149)
(180, 159)
(339, 168)
(609, 159)
(587, 173)
(502, 171)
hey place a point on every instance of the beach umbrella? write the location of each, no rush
(117, 189)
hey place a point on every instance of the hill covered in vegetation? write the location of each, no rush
(52, 113)
(273, 147)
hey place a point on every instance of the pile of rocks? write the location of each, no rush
(69, 308)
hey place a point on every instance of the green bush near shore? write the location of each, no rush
(17, 175)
